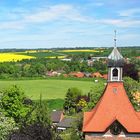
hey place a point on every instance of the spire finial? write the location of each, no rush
(115, 39)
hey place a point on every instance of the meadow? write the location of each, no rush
(49, 89)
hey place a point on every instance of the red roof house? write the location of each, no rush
(96, 74)
(77, 74)
(113, 115)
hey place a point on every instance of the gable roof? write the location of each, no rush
(96, 74)
(66, 123)
(56, 116)
(113, 105)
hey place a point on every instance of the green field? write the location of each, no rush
(49, 89)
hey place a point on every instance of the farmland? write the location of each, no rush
(49, 89)
(6, 57)
(29, 54)
(17, 55)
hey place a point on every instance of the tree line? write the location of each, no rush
(40, 67)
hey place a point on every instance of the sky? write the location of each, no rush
(68, 23)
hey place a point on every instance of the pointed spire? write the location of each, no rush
(115, 58)
(115, 40)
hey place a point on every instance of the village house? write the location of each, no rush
(77, 74)
(64, 124)
(60, 122)
(57, 116)
(96, 75)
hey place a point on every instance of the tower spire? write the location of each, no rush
(115, 39)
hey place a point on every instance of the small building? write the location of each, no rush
(87, 74)
(57, 116)
(65, 124)
(96, 75)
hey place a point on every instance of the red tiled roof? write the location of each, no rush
(96, 74)
(65, 75)
(138, 57)
(105, 76)
(77, 74)
(113, 105)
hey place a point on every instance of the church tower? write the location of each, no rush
(115, 64)
(113, 116)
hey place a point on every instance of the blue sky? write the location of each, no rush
(68, 23)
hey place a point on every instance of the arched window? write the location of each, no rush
(115, 72)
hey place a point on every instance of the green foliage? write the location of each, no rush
(12, 103)
(41, 113)
(39, 66)
(39, 127)
(70, 99)
(55, 104)
(82, 103)
(131, 87)
(75, 132)
(95, 93)
(130, 70)
(7, 125)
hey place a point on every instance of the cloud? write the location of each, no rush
(44, 15)
(120, 22)
(129, 12)
(52, 13)
(11, 25)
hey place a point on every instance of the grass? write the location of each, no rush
(49, 89)
(41, 54)
(55, 104)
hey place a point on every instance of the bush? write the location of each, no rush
(37, 127)
(70, 100)
(6, 126)
(12, 103)
(132, 87)
(94, 94)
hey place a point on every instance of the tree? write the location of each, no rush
(75, 132)
(131, 71)
(12, 103)
(81, 104)
(132, 87)
(95, 93)
(39, 128)
(70, 99)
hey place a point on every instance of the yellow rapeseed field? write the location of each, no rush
(7, 57)
(81, 50)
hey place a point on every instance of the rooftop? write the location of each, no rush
(114, 105)
(115, 58)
